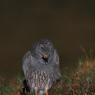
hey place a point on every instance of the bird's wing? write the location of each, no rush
(27, 62)
(56, 57)
(56, 67)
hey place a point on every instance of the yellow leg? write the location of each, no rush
(46, 91)
(36, 91)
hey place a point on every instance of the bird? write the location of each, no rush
(41, 67)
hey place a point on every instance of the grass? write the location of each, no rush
(8, 87)
(80, 82)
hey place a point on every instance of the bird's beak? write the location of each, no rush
(45, 57)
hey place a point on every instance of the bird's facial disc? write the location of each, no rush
(44, 50)
(44, 53)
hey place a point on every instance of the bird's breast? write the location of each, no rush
(39, 79)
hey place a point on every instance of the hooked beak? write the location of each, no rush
(45, 57)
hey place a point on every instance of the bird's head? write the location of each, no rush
(44, 49)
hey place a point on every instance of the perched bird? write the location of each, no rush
(41, 67)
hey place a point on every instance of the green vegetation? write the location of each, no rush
(80, 82)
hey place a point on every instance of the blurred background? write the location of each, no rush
(70, 24)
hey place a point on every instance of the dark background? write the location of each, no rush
(70, 24)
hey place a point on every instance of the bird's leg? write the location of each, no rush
(46, 91)
(36, 91)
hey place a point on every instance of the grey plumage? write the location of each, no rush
(41, 66)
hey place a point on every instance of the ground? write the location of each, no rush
(80, 82)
